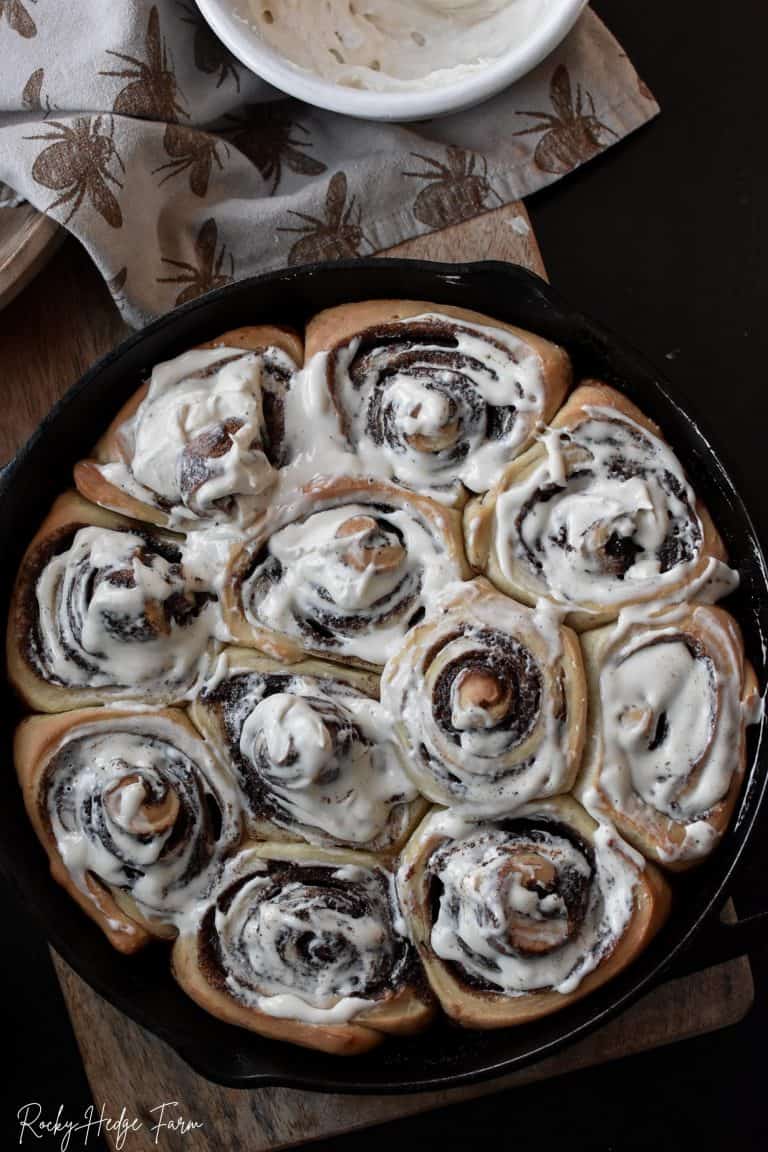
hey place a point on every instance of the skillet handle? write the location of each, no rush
(718, 941)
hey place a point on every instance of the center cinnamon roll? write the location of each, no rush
(491, 701)
(345, 573)
(312, 749)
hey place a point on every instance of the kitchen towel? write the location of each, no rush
(180, 171)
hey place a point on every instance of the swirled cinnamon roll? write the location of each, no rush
(342, 573)
(516, 918)
(134, 813)
(200, 442)
(435, 398)
(305, 944)
(490, 701)
(103, 609)
(670, 697)
(313, 751)
(597, 516)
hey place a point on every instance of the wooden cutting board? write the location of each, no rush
(28, 239)
(47, 339)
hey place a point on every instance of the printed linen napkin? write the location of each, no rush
(180, 171)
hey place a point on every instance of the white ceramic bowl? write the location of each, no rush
(229, 19)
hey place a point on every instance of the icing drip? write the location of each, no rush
(527, 904)
(316, 756)
(117, 609)
(606, 518)
(481, 690)
(348, 580)
(201, 445)
(311, 942)
(429, 402)
(139, 803)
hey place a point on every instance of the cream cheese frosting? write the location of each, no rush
(389, 45)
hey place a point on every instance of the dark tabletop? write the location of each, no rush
(662, 240)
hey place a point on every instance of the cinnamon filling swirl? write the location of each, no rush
(314, 755)
(115, 609)
(492, 687)
(620, 519)
(431, 402)
(349, 580)
(491, 703)
(310, 941)
(139, 805)
(525, 904)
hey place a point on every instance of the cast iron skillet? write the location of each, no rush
(141, 986)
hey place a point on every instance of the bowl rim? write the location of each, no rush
(245, 44)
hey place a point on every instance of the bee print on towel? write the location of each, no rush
(208, 270)
(336, 237)
(570, 136)
(458, 188)
(152, 93)
(271, 137)
(32, 94)
(191, 151)
(78, 163)
(18, 17)
(211, 57)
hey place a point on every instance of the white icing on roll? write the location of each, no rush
(527, 906)
(490, 707)
(348, 580)
(119, 610)
(397, 44)
(307, 941)
(448, 403)
(130, 801)
(607, 518)
(671, 722)
(198, 445)
(318, 756)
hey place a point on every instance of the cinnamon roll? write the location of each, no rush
(597, 516)
(200, 442)
(344, 572)
(490, 701)
(103, 609)
(433, 397)
(670, 696)
(305, 944)
(134, 812)
(313, 750)
(516, 918)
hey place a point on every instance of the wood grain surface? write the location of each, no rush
(28, 239)
(48, 337)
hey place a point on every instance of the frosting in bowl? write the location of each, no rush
(390, 45)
